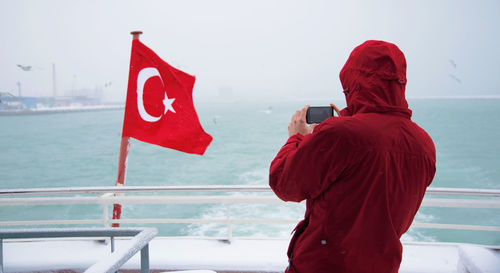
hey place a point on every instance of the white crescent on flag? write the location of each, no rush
(144, 75)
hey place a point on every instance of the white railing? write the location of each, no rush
(106, 196)
(109, 263)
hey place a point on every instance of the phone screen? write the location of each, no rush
(317, 114)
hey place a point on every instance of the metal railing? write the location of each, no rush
(106, 196)
(110, 263)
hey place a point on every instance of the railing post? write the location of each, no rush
(112, 243)
(105, 215)
(228, 222)
(1, 255)
(145, 259)
(105, 209)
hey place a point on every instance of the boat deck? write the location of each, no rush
(241, 255)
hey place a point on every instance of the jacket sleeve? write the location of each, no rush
(307, 165)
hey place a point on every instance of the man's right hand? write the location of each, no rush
(298, 123)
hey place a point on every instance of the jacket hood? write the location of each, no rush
(374, 80)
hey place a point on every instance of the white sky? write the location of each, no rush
(258, 49)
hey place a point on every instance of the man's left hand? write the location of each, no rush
(298, 123)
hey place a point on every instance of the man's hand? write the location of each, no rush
(298, 123)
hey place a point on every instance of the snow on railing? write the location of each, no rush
(106, 196)
(108, 264)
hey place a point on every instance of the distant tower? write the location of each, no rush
(54, 90)
(19, 88)
(73, 86)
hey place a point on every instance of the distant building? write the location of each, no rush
(17, 103)
(11, 102)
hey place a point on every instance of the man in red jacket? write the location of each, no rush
(363, 174)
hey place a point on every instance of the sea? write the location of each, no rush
(81, 149)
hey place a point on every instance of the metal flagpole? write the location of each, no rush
(122, 159)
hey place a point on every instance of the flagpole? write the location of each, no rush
(122, 159)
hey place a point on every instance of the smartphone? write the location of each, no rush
(317, 114)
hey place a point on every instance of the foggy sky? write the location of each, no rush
(249, 49)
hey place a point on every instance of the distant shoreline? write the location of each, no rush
(487, 97)
(457, 97)
(62, 109)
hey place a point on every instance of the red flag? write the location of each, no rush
(159, 108)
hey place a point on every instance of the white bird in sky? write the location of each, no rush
(456, 78)
(25, 67)
(452, 62)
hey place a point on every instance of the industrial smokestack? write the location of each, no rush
(19, 89)
(54, 89)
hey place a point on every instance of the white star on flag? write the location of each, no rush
(168, 104)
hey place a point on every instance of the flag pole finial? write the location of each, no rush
(135, 34)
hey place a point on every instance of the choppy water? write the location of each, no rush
(81, 149)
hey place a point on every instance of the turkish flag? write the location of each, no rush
(159, 108)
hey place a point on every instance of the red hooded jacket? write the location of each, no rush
(363, 174)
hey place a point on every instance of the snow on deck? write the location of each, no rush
(242, 255)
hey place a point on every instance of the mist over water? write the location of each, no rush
(81, 149)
